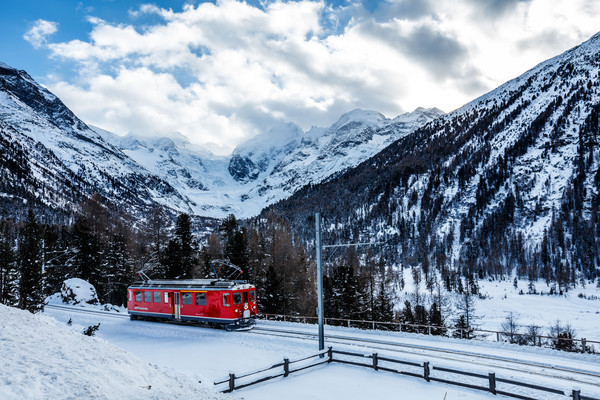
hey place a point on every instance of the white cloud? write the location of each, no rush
(39, 32)
(222, 72)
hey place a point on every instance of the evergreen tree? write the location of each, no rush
(383, 305)
(179, 258)
(118, 271)
(435, 319)
(408, 317)
(8, 266)
(87, 253)
(30, 259)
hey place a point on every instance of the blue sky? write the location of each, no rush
(224, 71)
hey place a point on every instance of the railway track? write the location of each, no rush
(86, 311)
(426, 353)
(590, 379)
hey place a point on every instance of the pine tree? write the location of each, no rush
(408, 317)
(30, 258)
(8, 266)
(118, 271)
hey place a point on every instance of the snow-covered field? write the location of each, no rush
(46, 356)
(579, 307)
(208, 355)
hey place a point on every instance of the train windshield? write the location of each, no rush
(237, 298)
(252, 295)
(245, 297)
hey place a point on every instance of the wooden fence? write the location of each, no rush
(381, 363)
(578, 344)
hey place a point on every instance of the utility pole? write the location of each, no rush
(320, 311)
(319, 246)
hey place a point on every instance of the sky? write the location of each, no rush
(222, 72)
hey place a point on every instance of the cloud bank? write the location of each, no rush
(220, 73)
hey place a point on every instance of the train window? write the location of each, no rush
(245, 297)
(138, 295)
(201, 299)
(237, 298)
(226, 299)
(147, 297)
(130, 294)
(166, 297)
(186, 298)
(252, 295)
(156, 297)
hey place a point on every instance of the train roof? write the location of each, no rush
(191, 284)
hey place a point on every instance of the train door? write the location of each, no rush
(176, 307)
(246, 306)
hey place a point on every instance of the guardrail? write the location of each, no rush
(579, 344)
(424, 370)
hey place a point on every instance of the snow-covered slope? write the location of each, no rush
(42, 359)
(50, 158)
(268, 167)
(509, 181)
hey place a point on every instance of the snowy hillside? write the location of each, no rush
(268, 167)
(51, 159)
(507, 184)
(43, 359)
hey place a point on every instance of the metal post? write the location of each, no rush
(320, 282)
(576, 394)
(375, 362)
(426, 370)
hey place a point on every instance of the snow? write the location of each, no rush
(579, 307)
(41, 358)
(209, 355)
(284, 157)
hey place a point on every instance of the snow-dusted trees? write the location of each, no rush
(30, 259)
(8, 265)
(180, 256)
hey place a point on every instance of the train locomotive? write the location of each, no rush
(227, 303)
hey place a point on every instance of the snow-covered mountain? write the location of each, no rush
(268, 167)
(51, 159)
(510, 180)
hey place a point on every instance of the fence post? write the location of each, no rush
(576, 394)
(583, 342)
(348, 323)
(286, 367)
(426, 371)
(492, 378)
(373, 325)
(231, 382)
(429, 327)
(375, 362)
(497, 336)
(330, 354)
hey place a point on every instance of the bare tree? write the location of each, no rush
(510, 327)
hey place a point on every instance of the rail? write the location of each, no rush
(434, 330)
(424, 370)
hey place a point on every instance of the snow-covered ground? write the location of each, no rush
(209, 355)
(47, 356)
(41, 358)
(579, 307)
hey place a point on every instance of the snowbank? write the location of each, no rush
(75, 291)
(40, 359)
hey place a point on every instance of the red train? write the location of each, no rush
(227, 303)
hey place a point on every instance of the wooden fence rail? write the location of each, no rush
(427, 329)
(422, 371)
